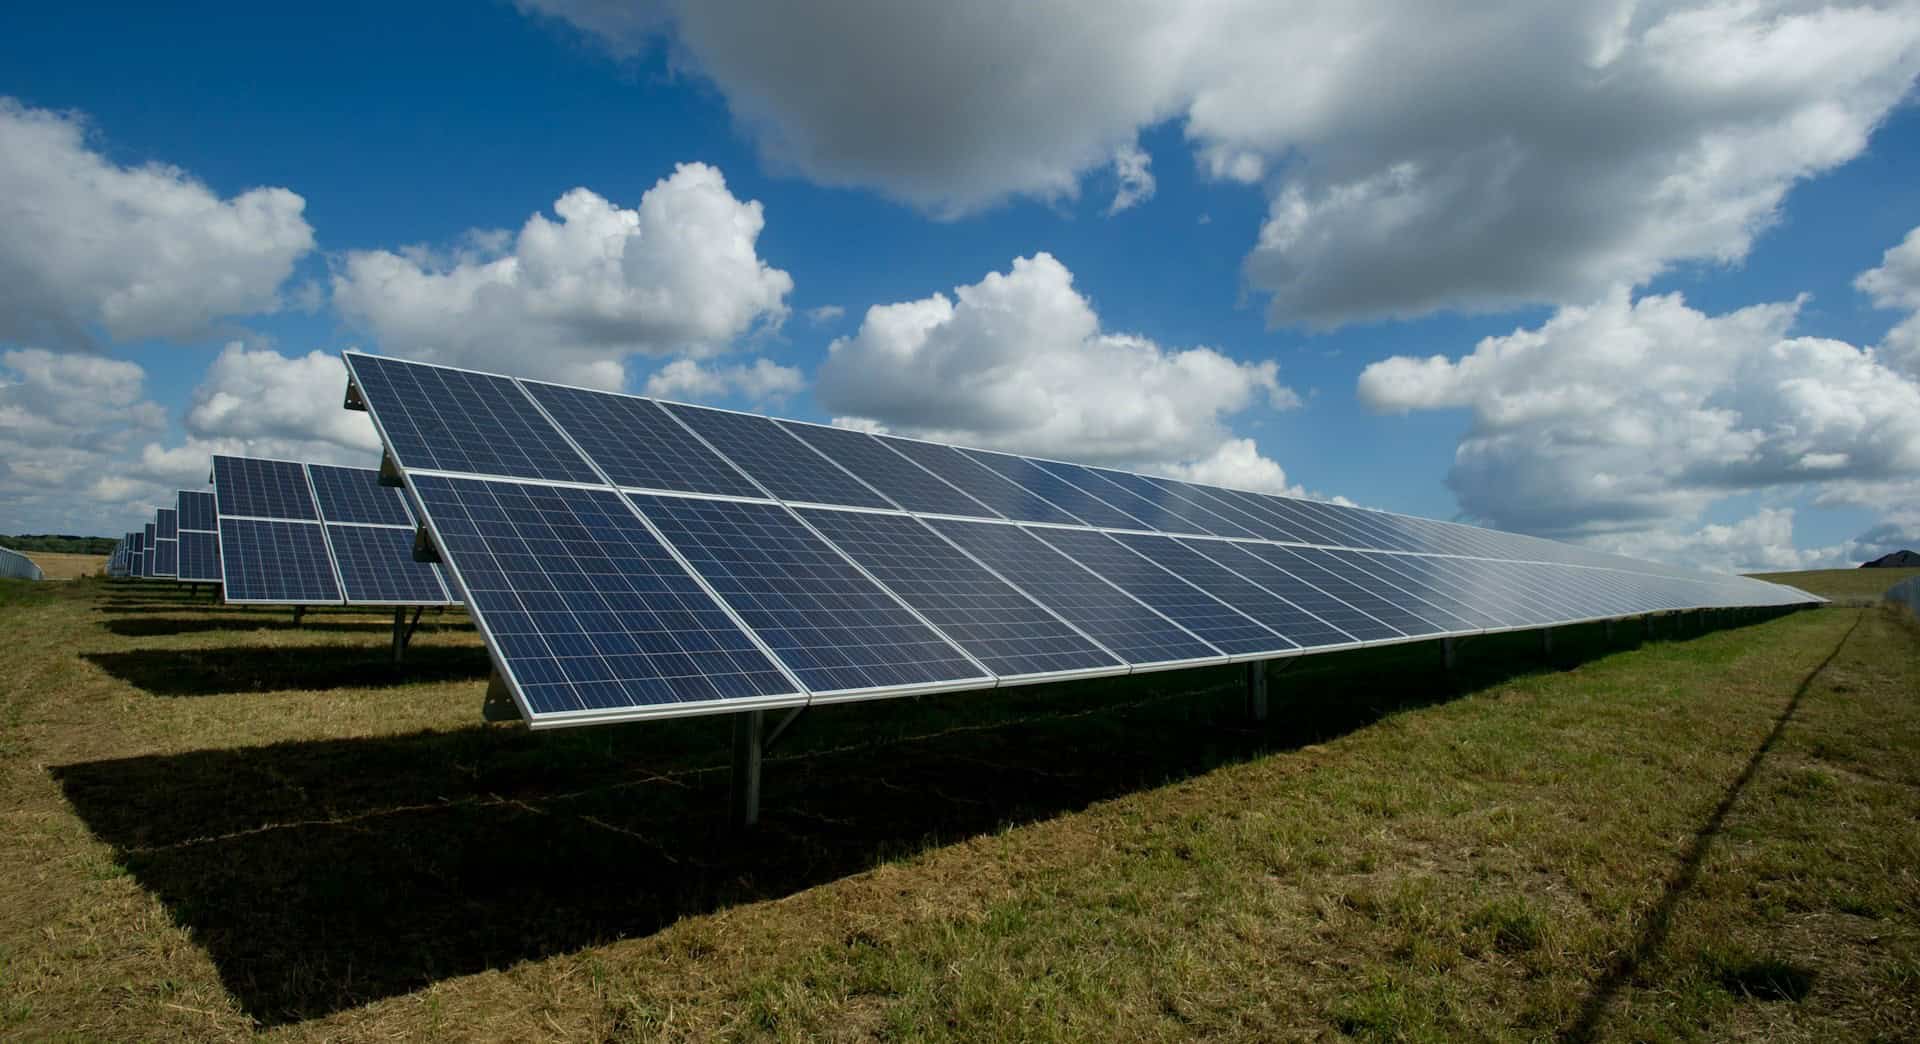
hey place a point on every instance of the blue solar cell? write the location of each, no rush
(1241, 559)
(1359, 590)
(166, 524)
(453, 420)
(1111, 617)
(248, 487)
(355, 496)
(199, 556)
(1434, 605)
(999, 626)
(197, 510)
(1055, 490)
(136, 554)
(1292, 622)
(1216, 622)
(957, 469)
(278, 562)
(376, 566)
(836, 629)
(777, 460)
(1278, 527)
(587, 609)
(146, 551)
(166, 557)
(908, 484)
(637, 444)
(1173, 511)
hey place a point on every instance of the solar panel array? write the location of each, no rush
(312, 534)
(199, 528)
(629, 558)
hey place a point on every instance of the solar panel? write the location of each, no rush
(1241, 559)
(1291, 622)
(147, 549)
(1214, 621)
(1010, 633)
(1176, 513)
(900, 479)
(1104, 612)
(377, 567)
(779, 462)
(166, 524)
(454, 420)
(250, 487)
(136, 554)
(196, 509)
(586, 610)
(165, 557)
(1055, 490)
(1348, 585)
(355, 495)
(989, 488)
(199, 557)
(637, 444)
(275, 562)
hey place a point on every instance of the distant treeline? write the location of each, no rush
(61, 543)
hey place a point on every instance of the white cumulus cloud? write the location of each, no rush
(259, 394)
(573, 298)
(760, 382)
(69, 423)
(1896, 284)
(1018, 361)
(90, 246)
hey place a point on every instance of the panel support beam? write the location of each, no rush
(1546, 641)
(498, 705)
(403, 630)
(1257, 690)
(1608, 630)
(749, 743)
(1449, 653)
(298, 612)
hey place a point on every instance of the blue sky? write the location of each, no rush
(415, 125)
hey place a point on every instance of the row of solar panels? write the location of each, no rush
(629, 558)
(275, 532)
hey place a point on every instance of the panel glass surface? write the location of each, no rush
(166, 557)
(196, 510)
(585, 606)
(1362, 591)
(1055, 490)
(903, 481)
(998, 625)
(1006, 498)
(1241, 559)
(452, 420)
(253, 488)
(637, 444)
(146, 551)
(1213, 620)
(275, 561)
(1121, 623)
(376, 565)
(1188, 515)
(166, 524)
(1292, 622)
(834, 628)
(199, 556)
(777, 460)
(355, 495)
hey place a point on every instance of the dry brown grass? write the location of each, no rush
(60, 566)
(216, 827)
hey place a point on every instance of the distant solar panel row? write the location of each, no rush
(199, 551)
(631, 558)
(315, 534)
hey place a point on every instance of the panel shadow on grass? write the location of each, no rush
(280, 668)
(328, 874)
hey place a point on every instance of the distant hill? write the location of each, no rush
(1896, 560)
(61, 543)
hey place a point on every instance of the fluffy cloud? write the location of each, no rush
(1896, 284)
(1132, 168)
(1632, 416)
(1418, 155)
(134, 252)
(68, 426)
(263, 396)
(677, 275)
(1762, 542)
(762, 381)
(1018, 361)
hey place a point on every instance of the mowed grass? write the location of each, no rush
(220, 827)
(60, 566)
(1842, 584)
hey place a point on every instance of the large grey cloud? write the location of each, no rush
(1418, 155)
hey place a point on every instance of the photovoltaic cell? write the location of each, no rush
(166, 524)
(284, 563)
(1186, 515)
(775, 459)
(1433, 605)
(376, 565)
(586, 608)
(165, 557)
(199, 557)
(196, 510)
(959, 470)
(1214, 621)
(1056, 490)
(147, 551)
(826, 621)
(1241, 559)
(1292, 622)
(1347, 585)
(355, 496)
(253, 488)
(906, 483)
(637, 444)
(998, 625)
(452, 420)
(1112, 618)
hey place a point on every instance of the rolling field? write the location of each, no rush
(1842, 584)
(217, 826)
(60, 566)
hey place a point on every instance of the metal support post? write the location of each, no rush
(744, 801)
(1257, 690)
(1448, 657)
(1546, 641)
(298, 612)
(1608, 630)
(498, 704)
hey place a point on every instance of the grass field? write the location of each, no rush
(58, 566)
(219, 827)
(1843, 584)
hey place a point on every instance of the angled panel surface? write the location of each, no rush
(637, 444)
(453, 420)
(1066, 496)
(1216, 622)
(1290, 621)
(904, 482)
(783, 464)
(987, 487)
(166, 557)
(249, 487)
(167, 524)
(197, 510)
(355, 496)
(377, 567)
(1242, 560)
(276, 562)
(199, 557)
